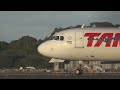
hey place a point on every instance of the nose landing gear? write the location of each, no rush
(79, 71)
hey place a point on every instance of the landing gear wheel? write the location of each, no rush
(78, 72)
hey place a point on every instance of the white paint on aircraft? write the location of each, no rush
(73, 45)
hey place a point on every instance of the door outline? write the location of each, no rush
(82, 39)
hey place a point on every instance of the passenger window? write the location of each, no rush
(61, 38)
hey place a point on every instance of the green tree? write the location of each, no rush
(102, 24)
(3, 45)
(117, 25)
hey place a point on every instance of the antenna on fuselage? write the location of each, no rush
(82, 26)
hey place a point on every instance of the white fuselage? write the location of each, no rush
(98, 44)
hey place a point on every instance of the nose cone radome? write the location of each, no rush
(45, 49)
(42, 49)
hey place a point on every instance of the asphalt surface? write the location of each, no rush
(59, 76)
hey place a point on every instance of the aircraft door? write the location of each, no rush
(79, 39)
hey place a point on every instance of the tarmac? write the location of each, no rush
(44, 75)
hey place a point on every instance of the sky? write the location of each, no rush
(39, 24)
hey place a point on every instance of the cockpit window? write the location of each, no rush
(51, 38)
(61, 38)
(56, 38)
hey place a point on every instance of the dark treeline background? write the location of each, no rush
(23, 52)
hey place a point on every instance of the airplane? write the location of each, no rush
(83, 44)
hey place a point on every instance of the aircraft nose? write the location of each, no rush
(42, 49)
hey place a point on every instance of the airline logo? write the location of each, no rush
(103, 37)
